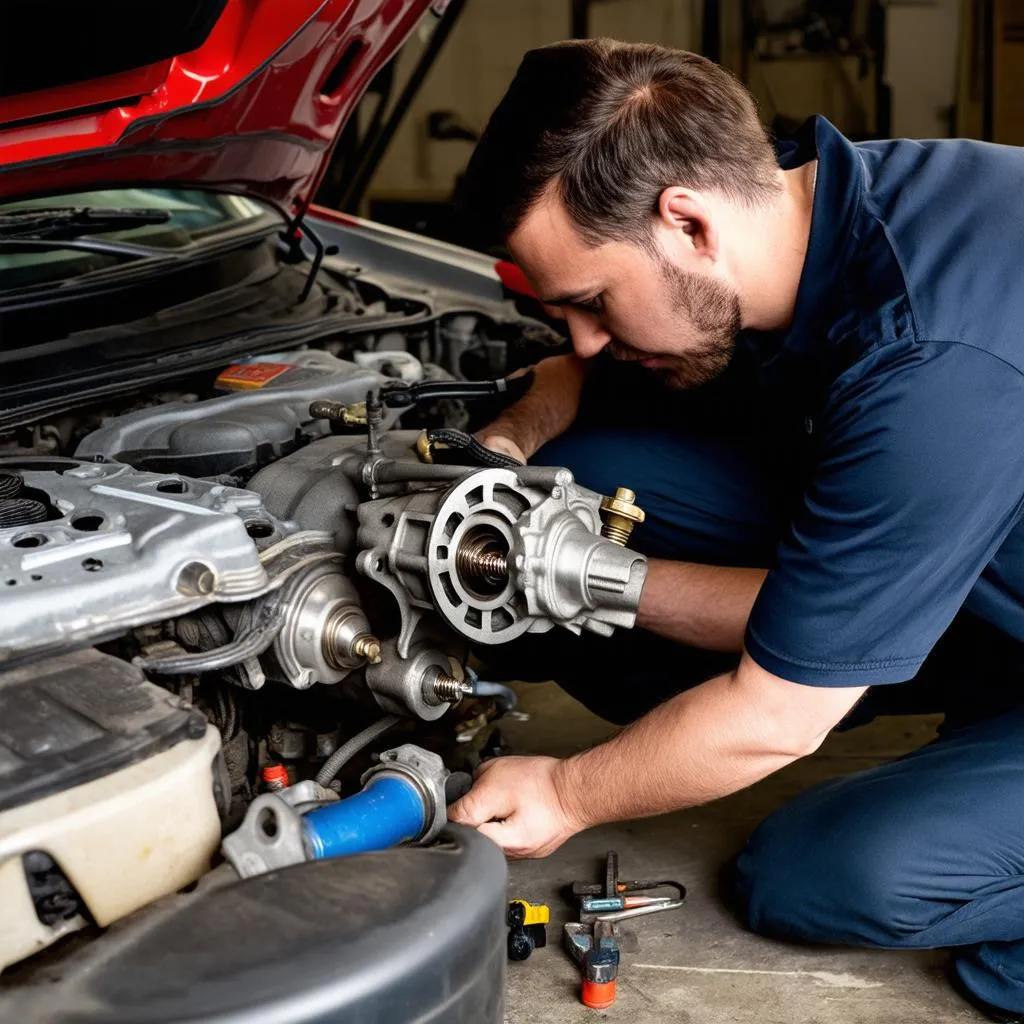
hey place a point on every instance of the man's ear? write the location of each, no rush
(684, 220)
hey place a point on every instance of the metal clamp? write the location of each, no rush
(269, 837)
(426, 771)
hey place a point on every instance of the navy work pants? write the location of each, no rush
(926, 851)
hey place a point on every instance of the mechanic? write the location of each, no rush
(833, 480)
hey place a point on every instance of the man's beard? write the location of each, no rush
(713, 310)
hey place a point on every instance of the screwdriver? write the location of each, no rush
(600, 904)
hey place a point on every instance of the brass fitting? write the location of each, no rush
(619, 515)
(423, 449)
(351, 415)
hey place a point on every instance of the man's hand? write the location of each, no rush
(517, 802)
(544, 412)
(505, 445)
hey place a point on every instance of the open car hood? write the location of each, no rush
(242, 95)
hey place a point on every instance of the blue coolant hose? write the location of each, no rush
(388, 811)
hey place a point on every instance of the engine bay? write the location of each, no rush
(211, 606)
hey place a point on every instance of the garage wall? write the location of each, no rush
(479, 61)
(673, 23)
(469, 77)
(921, 66)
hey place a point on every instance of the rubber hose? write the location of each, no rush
(396, 396)
(350, 748)
(240, 649)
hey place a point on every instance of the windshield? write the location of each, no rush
(193, 216)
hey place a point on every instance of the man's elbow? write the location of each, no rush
(809, 742)
(788, 739)
(795, 718)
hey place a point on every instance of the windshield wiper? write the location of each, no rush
(63, 227)
(126, 250)
(67, 222)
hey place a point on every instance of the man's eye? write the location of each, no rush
(594, 305)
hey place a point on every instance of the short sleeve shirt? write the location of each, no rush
(908, 336)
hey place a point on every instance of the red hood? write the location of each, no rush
(254, 108)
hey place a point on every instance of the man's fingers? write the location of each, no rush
(514, 803)
(482, 803)
(497, 832)
(467, 811)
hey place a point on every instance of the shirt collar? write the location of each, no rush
(837, 196)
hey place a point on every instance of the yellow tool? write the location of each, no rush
(526, 923)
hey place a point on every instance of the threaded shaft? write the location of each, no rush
(10, 484)
(480, 562)
(448, 689)
(339, 646)
(489, 566)
(619, 514)
(21, 512)
(616, 534)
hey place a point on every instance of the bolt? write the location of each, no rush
(340, 642)
(196, 580)
(367, 646)
(443, 688)
(619, 515)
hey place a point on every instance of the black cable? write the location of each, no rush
(459, 443)
(329, 772)
(397, 395)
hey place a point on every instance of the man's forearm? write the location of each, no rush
(703, 744)
(547, 409)
(703, 606)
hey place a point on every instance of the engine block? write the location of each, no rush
(89, 550)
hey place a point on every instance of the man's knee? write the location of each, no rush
(832, 878)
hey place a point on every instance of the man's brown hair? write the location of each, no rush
(612, 125)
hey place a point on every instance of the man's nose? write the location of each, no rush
(587, 333)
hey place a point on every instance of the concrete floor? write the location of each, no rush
(697, 964)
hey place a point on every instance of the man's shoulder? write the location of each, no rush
(934, 163)
(950, 212)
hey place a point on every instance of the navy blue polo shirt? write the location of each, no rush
(909, 334)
